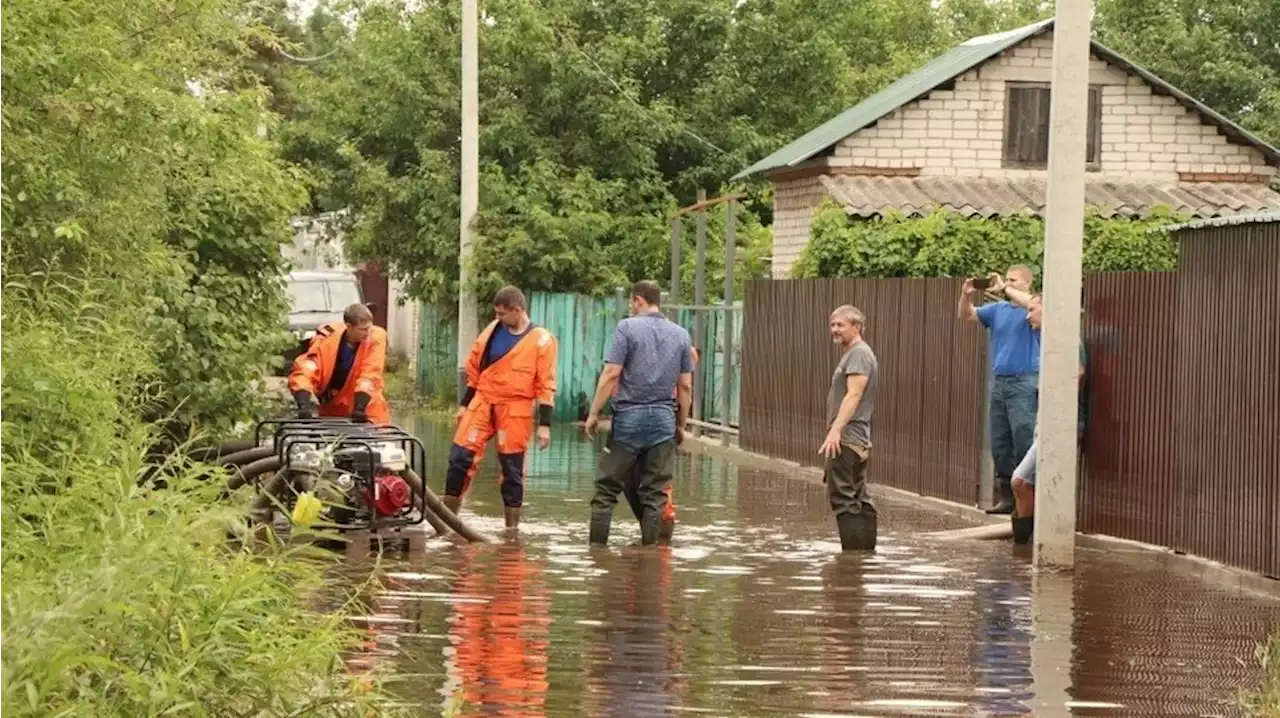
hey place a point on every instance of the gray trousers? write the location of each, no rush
(846, 480)
(653, 468)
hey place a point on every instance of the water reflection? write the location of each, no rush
(753, 611)
(499, 633)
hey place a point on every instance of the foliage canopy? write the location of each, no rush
(945, 244)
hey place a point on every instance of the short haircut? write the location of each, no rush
(1031, 276)
(648, 290)
(356, 314)
(851, 314)
(509, 297)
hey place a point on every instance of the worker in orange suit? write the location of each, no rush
(667, 527)
(512, 366)
(342, 370)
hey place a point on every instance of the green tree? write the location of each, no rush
(598, 120)
(136, 152)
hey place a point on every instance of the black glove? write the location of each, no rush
(358, 412)
(306, 404)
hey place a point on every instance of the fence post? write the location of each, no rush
(699, 300)
(673, 292)
(730, 237)
(620, 303)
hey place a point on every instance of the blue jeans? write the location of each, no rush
(1014, 400)
(644, 427)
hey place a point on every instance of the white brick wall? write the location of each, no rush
(793, 205)
(960, 132)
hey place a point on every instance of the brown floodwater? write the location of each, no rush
(753, 611)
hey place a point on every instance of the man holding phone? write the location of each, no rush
(1014, 348)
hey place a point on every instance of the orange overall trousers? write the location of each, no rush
(500, 402)
(313, 370)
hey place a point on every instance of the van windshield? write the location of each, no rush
(343, 295)
(308, 297)
(323, 295)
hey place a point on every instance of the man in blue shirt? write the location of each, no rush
(650, 359)
(1014, 348)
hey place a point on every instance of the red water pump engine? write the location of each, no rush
(388, 495)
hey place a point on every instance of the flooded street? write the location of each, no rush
(754, 612)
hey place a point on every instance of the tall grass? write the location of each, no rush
(1265, 701)
(119, 599)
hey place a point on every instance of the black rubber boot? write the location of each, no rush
(512, 516)
(1024, 527)
(650, 526)
(665, 529)
(599, 535)
(857, 531)
(1005, 489)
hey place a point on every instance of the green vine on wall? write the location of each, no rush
(945, 244)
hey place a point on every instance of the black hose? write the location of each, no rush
(246, 457)
(416, 485)
(264, 503)
(439, 509)
(214, 453)
(252, 470)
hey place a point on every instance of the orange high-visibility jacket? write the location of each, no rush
(526, 373)
(313, 369)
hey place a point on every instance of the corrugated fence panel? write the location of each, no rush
(926, 431)
(437, 350)
(1130, 489)
(1228, 394)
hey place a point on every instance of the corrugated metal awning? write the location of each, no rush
(869, 196)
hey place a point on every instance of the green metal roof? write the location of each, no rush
(955, 62)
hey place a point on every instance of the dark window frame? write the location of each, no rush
(1009, 153)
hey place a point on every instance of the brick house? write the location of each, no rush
(968, 132)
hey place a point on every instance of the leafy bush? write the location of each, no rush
(945, 244)
(142, 271)
(121, 600)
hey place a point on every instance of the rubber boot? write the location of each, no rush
(1005, 505)
(1024, 527)
(453, 503)
(512, 515)
(666, 528)
(599, 534)
(857, 531)
(650, 526)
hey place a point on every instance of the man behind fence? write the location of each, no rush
(650, 359)
(1015, 367)
(850, 403)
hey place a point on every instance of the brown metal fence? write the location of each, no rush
(927, 432)
(1228, 396)
(1183, 445)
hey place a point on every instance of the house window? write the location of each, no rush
(1026, 126)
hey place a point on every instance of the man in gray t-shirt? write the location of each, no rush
(847, 446)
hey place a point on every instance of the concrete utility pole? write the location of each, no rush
(470, 191)
(1055, 532)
